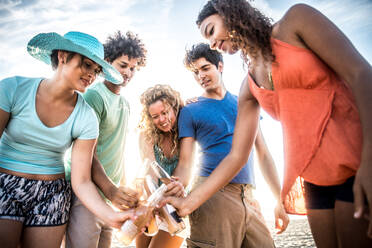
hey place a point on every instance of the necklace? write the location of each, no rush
(271, 81)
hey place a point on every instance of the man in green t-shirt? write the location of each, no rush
(127, 54)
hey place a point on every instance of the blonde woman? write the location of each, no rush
(159, 142)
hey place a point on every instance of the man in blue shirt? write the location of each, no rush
(231, 217)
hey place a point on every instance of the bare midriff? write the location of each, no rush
(33, 176)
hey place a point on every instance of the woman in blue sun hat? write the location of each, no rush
(39, 119)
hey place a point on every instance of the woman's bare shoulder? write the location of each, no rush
(288, 28)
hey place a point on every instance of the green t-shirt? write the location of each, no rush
(112, 113)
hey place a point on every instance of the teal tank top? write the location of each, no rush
(168, 164)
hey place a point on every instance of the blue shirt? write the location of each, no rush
(27, 145)
(211, 123)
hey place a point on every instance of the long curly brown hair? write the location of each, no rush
(170, 98)
(249, 30)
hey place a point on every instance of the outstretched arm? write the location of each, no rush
(184, 166)
(319, 34)
(270, 174)
(244, 136)
(85, 189)
(121, 197)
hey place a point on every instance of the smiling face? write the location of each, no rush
(162, 115)
(207, 74)
(213, 29)
(127, 67)
(80, 71)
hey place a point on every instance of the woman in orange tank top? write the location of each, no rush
(305, 73)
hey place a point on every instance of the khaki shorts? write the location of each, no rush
(231, 218)
(85, 230)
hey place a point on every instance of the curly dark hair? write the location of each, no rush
(169, 97)
(201, 50)
(248, 28)
(128, 44)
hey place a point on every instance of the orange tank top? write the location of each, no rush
(321, 127)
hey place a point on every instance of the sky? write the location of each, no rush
(167, 27)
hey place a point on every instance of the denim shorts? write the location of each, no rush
(34, 202)
(324, 197)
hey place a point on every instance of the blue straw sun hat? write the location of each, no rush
(42, 45)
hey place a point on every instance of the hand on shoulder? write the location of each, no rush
(192, 100)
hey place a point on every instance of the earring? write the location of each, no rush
(232, 34)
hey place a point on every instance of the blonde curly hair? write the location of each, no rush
(170, 98)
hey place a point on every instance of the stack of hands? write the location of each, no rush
(126, 198)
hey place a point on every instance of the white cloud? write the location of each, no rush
(62, 15)
(353, 17)
(8, 4)
(22, 21)
(350, 15)
(264, 7)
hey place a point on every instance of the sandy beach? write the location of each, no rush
(297, 235)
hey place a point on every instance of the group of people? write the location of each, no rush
(302, 70)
